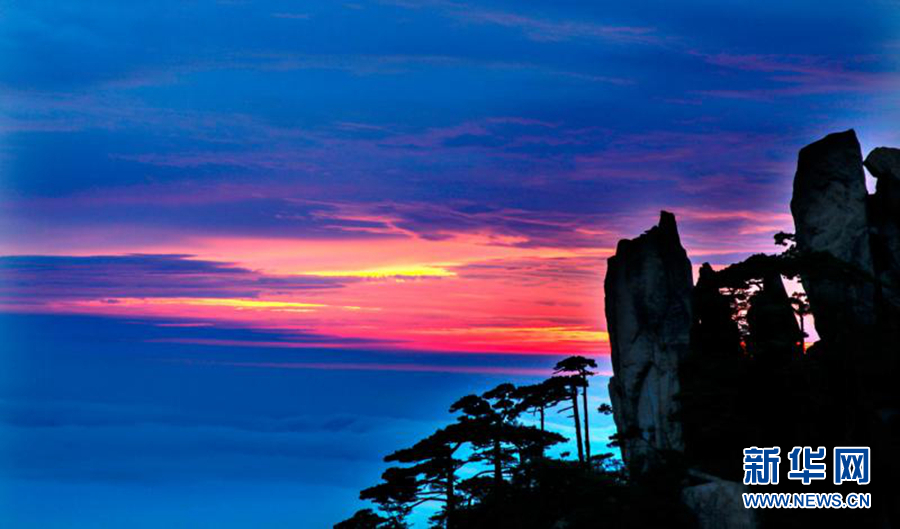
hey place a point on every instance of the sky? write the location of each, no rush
(247, 249)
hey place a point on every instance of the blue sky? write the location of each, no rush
(247, 249)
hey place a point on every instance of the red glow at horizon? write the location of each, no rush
(467, 293)
(461, 292)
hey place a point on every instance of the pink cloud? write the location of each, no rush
(801, 75)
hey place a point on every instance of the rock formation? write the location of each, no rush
(724, 356)
(774, 335)
(884, 214)
(648, 314)
(717, 505)
(831, 220)
(649, 304)
(714, 332)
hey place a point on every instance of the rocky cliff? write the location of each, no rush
(831, 219)
(648, 313)
(702, 371)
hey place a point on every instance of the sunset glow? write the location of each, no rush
(247, 249)
(461, 291)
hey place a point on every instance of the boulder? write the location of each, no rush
(717, 504)
(648, 314)
(884, 164)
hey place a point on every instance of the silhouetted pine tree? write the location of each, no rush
(578, 369)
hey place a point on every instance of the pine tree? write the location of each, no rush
(579, 366)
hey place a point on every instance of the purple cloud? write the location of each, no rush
(32, 280)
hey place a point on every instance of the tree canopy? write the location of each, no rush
(487, 455)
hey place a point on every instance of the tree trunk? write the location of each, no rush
(577, 423)
(542, 418)
(498, 467)
(587, 432)
(451, 501)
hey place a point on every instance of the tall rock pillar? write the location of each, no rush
(831, 221)
(648, 314)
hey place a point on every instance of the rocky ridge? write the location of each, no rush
(847, 256)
